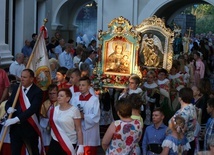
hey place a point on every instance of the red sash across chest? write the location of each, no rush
(32, 120)
(59, 137)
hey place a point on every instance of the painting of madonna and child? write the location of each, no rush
(118, 57)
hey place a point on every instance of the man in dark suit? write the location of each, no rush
(21, 129)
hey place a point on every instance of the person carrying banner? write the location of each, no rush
(66, 130)
(24, 121)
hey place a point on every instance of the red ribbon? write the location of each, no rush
(45, 31)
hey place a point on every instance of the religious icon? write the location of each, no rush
(119, 53)
(152, 50)
(119, 59)
(156, 50)
(43, 79)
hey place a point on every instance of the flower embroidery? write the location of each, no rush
(129, 140)
(127, 128)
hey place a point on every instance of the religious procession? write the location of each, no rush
(139, 89)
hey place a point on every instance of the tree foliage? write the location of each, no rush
(204, 17)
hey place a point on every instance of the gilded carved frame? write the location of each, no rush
(154, 28)
(119, 53)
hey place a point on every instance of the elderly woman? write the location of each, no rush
(66, 130)
(54, 65)
(151, 96)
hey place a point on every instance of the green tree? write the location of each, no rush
(204, 17)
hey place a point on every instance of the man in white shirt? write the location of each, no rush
(17, 66)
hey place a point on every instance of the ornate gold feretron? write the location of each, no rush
(154, 28)
(119, 44)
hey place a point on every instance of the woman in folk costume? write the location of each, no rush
(176, 83)
(44, 120)
(199, 68)
(151, 96)
(66, 130)
(133, 88)
(191, 67)
(184, 70)
(164, 86)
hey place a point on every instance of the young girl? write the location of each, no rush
(136, 102)
(122, 135)
(176, 143)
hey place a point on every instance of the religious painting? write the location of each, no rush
(117, 58)
(43, 78)
(119, 54)
(156, 46)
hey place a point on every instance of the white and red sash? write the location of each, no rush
(61, 136)
(25, 104)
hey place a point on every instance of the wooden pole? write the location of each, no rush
(17, 93)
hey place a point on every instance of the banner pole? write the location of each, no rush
(18, 91)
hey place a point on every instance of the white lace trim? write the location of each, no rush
(174, 76)
(153, 85)
(170, 144)
(137, 91)
(162, 82)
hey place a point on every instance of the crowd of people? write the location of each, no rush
(159, 114)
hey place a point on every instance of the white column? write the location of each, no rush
(41, 13)
(10, 37)
(135, 12)
(5, 54)
(125, 8)
(100, 15)
(25, 22)
(2, 24)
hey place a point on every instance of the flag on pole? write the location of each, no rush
(40, 64)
